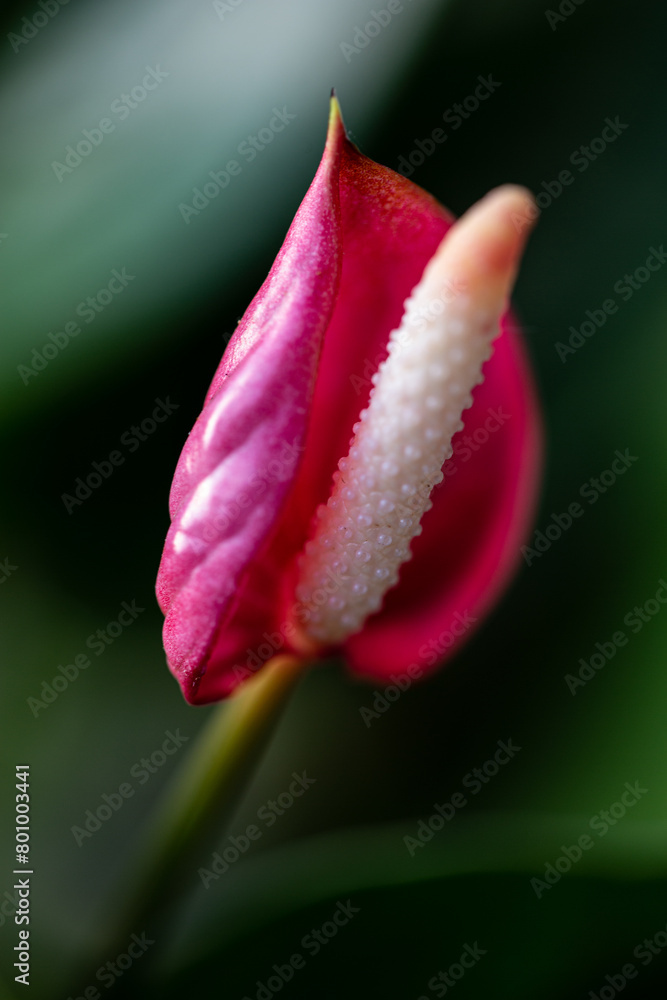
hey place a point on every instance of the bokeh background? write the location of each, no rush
(220, 70)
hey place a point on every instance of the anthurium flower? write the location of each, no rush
(327, 497)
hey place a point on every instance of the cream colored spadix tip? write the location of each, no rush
(381, 490)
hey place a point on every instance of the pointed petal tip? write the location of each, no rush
(336, 124)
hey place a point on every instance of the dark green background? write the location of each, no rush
(163, 337)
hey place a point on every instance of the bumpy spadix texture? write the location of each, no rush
(279, 416)
(382, 488)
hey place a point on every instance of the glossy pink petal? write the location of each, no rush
(257, 408)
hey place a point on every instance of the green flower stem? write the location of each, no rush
(201, 800)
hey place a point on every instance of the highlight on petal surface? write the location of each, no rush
(249, 570)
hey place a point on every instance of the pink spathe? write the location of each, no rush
(279, 416)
